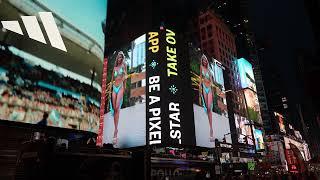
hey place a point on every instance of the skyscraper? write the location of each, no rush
(219, 42)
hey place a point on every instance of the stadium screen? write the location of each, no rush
(51, 61)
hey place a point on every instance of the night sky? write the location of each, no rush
(283, 28)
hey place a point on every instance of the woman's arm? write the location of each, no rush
(200, 82)
(125, 75)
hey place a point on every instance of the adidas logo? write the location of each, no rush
(34, 31)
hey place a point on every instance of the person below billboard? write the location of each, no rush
(119, 75)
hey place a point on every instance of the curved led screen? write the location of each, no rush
(51, 59)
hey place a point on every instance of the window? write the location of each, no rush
(209, 27)
(201, 20)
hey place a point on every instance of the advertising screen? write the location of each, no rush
(243, 130)
(280, 120)
(209, 99)
(246, 74)
(258, 139)
(252, 104)
(275, 153)
(125, 98)
(302, 147)
(51, 62)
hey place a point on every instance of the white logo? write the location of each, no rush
(34, 31)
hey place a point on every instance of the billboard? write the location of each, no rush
(275, 153)
(258, 139)
(297, 153)
(144, 83)
(280, 120)
(246, 74)
(169, 117)
(243, 129)
(51, 62)
(252, 105)
(209, 99)
(125, 99)
(301, 146)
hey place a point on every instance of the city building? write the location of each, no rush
(219, 42)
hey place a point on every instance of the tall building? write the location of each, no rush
(285, 58)
(236, 16)
(219, 42)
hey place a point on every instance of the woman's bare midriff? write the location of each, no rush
(206, 82)
(118, 81)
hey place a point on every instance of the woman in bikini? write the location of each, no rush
(118, 80)
(206, 91)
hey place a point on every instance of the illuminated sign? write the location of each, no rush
(281, 122)
(153, 86)
(166, 84)
(246, 74)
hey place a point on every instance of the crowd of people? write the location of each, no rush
(23, 100)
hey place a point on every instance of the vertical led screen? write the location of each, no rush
(253, 107)
(243, 130)
(258, 139)
(209, 99)
(51, 62)
(169, 115)
(125, 99)
(280, 120)
(249, 90)
(246, 74)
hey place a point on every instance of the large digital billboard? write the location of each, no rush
(144, 82)
(275, 153)
(244, 131)
(279, 117)
(258, 139)
(51, 62)
(252, 105)
(125, 98)
(246, 74)
(209, 99)
(169, 111)
(302, 147)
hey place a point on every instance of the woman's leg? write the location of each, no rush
(117, 111)
(115, 121)
(209, 105)
(209, 113)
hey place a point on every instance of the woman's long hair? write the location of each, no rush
(123, 57)
(201, 60)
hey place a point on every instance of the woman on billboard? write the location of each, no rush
(206, 91)
(118, 80)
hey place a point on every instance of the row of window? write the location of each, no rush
(225, 38)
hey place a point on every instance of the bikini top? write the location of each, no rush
(206, 75)
(118, 72)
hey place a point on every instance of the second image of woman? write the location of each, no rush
(206, 91)
(118, 80)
